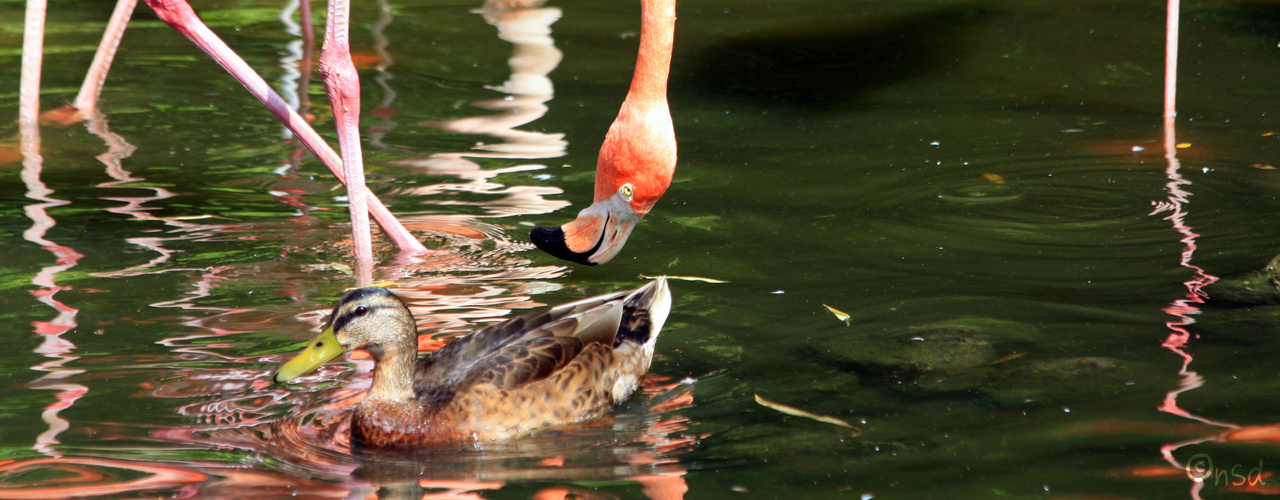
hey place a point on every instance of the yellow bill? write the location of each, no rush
(324, 348)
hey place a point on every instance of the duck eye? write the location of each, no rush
(627, 192)
(361, 311)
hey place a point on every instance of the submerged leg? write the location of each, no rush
(178, 14)
(343, 86)
(87, 100)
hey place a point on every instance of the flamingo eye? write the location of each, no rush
(627, 192)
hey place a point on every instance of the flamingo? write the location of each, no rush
(343, 87)
(637, 159)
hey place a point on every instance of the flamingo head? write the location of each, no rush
(630, 179)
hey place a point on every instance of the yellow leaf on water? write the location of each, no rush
(182, 217)
(1261, 166)
(796, 412)
(994, 178)
(840, 315)
(340, 267)
(685, 278)
(380, 284)
(1268, 134)
(1182, 145)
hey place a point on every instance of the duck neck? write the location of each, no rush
(393, 374)
(653, 64)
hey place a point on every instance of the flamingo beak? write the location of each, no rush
(595, 237)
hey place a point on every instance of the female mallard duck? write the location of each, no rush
(565, 364)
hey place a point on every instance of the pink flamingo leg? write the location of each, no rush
(343, 86)
(29, 83)
(87, 100)
(178, 15)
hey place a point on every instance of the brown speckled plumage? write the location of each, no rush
(558, 366)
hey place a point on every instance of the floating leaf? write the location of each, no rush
(182, 217)
(1010, 357)
(1268, 134)
(1182, 145)
(685, 278)
(1261, 166)
(840, 315)
(703, 222)
(380, 284)
(796, 412)
(994, 178)
(340, 267)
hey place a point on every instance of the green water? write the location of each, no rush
(993, 165)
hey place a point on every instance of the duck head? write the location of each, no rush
(370, 318)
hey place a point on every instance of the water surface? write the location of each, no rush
(987, 176)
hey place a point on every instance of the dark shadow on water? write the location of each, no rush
(832, 64)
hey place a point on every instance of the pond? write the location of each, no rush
(1042, 292)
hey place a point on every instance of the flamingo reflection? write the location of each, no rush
(54, 347)
(527, 26)
(1186, 308)
(221, 390)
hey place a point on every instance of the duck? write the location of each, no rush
(637, 160)
(566, 364)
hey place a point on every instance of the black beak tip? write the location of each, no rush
(551, 240)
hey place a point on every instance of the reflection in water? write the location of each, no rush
(82, 476)
(295, 64)
(527, 25)
(383, 110)
(1184, 309)
(54, 347)
(222, 392)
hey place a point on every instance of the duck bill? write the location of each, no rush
(595, 237)
(324, 348)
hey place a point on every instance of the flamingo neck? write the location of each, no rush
(653, 64)
(640, 147)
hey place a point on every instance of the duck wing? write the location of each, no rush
(520, 350)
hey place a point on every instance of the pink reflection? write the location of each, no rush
(222, 393)
(82, 477)
(118, 149)
(527, 25)
(54, 347)
(1184, 309)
